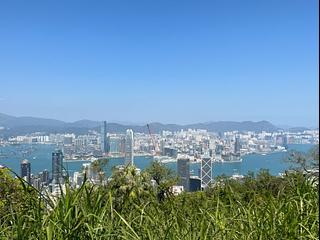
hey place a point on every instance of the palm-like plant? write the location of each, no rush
(129, 185)
(98, 167)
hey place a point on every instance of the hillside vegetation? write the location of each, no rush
(130, 207)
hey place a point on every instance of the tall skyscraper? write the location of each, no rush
(162, 145)
(183, 167)
(45, 177)
(206, 170)
(57, 161)
(237, 145)
(218, 149)
(285, 141)
(104, 145)
(26, 170)
(129, 147)
(122, 144)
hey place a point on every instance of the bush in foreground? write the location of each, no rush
(261, 207)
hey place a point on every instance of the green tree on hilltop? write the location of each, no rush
(164, 177)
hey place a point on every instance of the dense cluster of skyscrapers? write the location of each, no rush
(183, 147)
(43, 180)
(58, 174)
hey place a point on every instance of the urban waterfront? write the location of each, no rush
(40, 158)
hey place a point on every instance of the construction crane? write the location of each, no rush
(152, 138)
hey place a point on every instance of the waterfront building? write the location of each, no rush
(206, 170)
(57, 161)
(26, 170)
(122, 144)
(104, 142)
(183, 168)
(285, 141)
(162, 145)
(170, 152)
(68, 140)
(237, 145)
(114, 143)
(218, 149)
(129, 147)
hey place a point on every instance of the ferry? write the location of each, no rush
(228, 158)
(164, 159)
(228, 161)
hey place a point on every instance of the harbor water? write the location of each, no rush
(39, 156)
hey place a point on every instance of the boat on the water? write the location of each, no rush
(228, 158)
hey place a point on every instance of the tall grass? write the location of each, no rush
(264, 207)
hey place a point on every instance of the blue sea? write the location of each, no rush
(40, 158)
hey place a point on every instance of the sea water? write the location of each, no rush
(39, 156)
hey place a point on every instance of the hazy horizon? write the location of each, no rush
(169, 62)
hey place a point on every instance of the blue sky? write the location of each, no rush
(165, 61)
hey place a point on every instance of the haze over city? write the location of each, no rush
(168, 62)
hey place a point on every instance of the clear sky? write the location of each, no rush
(166, 61)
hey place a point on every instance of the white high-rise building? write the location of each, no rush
(129, 147)
(206, 170)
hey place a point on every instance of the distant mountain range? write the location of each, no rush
(12, 126)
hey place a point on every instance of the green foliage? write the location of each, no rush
(159, 172)
(258, 207)
(164, 178)
(128, 186)
(98, 167)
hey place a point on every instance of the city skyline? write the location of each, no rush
(166, 62)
